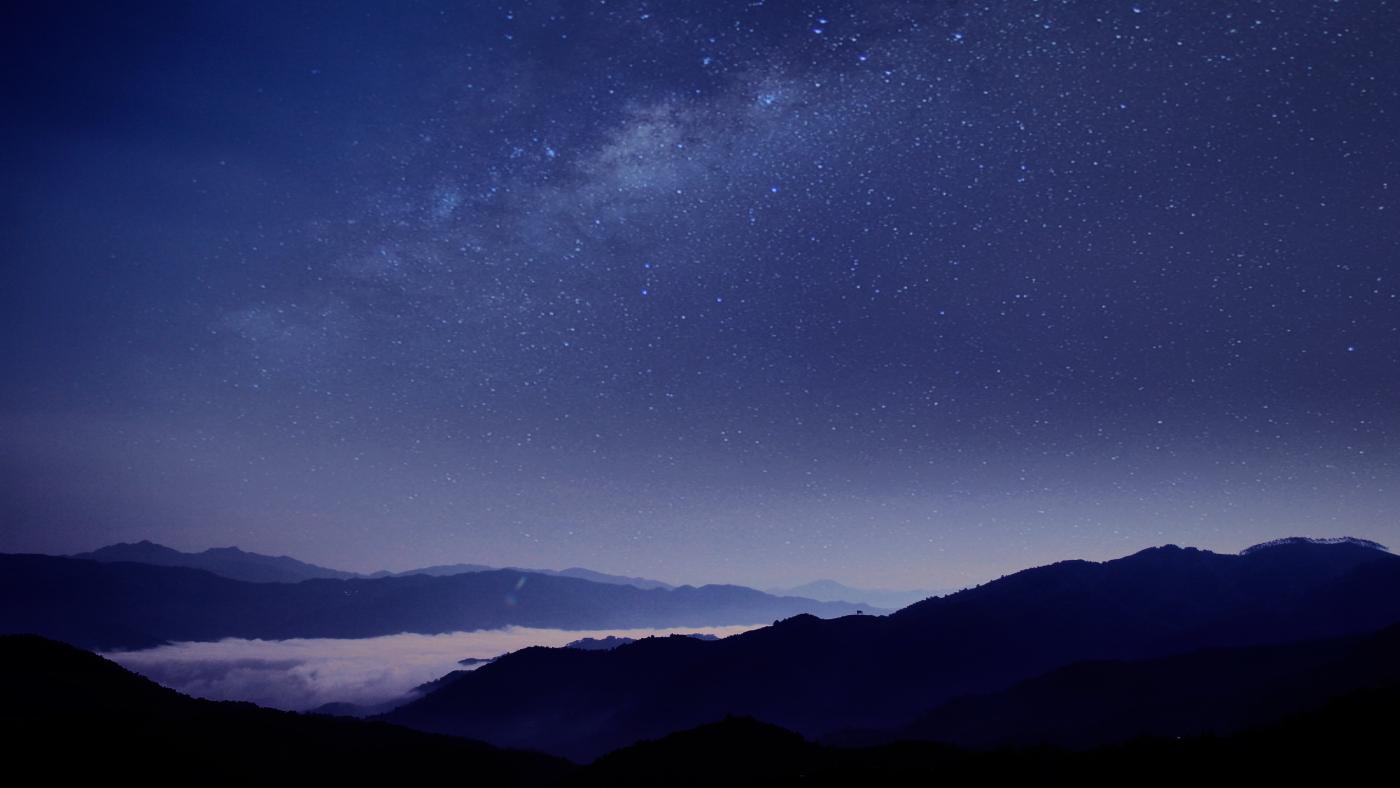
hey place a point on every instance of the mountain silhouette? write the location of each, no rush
(227, 562)
(436, 570)
(602, 577)
(832, 591)
(65, 709)
(73, 713)
(237, 564)
(870, 672)
(578, 572)
(132, 605)
(1348, 741)
(599, 644)
(1208, 692)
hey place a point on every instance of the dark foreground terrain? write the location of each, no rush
(66, 711)
(826, 678)
(69, 713)
(1350, 740)
(1171, 665)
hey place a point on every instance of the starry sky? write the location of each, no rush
(906, 294)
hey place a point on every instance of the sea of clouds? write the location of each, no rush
(305, 673)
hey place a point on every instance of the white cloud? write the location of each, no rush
(302, 674)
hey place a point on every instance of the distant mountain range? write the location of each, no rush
(237, 564)
(577, 572)
(599, 644)
(832, 591)
(227, 562)
(821, 678)
(134, 605)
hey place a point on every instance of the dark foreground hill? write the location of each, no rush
(129, 605)
(1211, 692)
(1350, 741)
(70, 714)
(869, 672)
(65, 711)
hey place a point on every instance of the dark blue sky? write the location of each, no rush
(898, 293)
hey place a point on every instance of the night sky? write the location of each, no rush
(903, 294)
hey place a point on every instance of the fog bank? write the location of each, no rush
(305, 673)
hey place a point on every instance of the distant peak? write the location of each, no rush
(1165, 551)
(1296, 540)
(1166, 548)
(144, 545)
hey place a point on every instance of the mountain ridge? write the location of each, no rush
(1207, 692)
(576, 572)
(133, 605)
(817, 676)
(238, 564)
(230, 562)
(1315, 540)
(61, 700)
(833, 591)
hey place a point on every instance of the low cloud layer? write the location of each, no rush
(303, 674)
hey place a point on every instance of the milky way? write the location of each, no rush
(898, 293)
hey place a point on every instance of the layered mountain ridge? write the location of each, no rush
(133, 605)
(819, 677)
